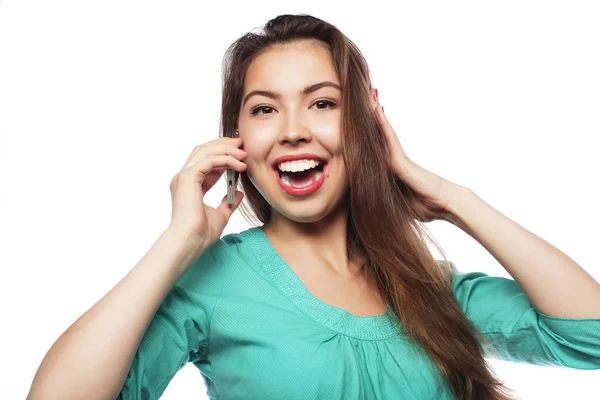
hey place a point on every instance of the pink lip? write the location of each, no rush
(293, 157)
(302, 191)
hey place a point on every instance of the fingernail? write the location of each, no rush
(376, 94)
(382, 109)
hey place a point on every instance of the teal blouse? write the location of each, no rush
(254, 331)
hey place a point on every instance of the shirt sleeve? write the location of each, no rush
(519, 332)
(179, 331)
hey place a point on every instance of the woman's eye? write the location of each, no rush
(257, 109)
(330, 103)
(263, 109)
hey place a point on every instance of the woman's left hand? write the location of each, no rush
(431, 196)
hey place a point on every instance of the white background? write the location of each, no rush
(101, 103)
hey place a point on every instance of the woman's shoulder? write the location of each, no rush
(227, 251)
(231, 245)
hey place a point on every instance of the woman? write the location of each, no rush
(335, 294)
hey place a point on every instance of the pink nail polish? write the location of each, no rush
(376, 94)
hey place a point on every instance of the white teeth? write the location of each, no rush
(296, 166)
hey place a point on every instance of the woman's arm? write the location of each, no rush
(554, 283)
(91, 359)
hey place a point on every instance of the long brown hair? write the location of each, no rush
(382, 228)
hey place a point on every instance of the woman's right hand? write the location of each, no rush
(202, 170)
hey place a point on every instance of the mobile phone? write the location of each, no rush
(232, 178)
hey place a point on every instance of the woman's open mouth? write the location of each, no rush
(302, 183)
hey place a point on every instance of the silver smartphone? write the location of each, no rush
(232, 178)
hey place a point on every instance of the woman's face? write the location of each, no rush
(294, 122)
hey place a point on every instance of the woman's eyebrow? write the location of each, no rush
(305, 91)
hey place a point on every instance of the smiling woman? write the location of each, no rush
(333, 293)
(334, 288)
(302, 87)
